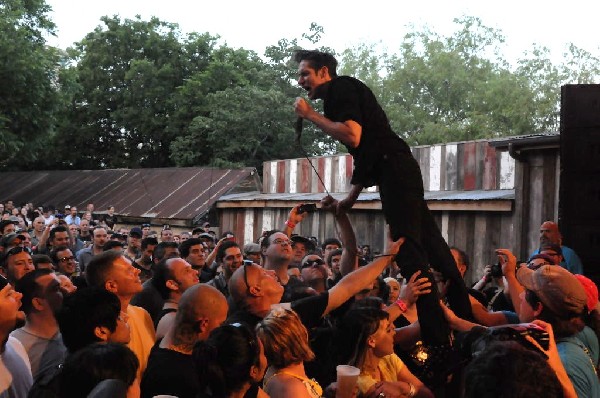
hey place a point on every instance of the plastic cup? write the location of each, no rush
(347, 377)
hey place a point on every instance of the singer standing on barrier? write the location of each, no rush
(353, 116)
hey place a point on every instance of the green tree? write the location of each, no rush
(446, 89)
(128, 73)
(28, 72)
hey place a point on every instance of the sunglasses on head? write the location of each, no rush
(18, 249)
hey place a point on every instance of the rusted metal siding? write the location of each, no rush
(169, 193)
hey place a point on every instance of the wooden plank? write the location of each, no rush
(349, 171)
(451, 168)
(327, 174)
(469, 166)
(435, 168)
(536, 207)
(305, 176)
(424, 165)
(489, 168)
(321, 168)
(293, 176)
(280, 176)
(478, 249)
(507, 171)
(480, 147)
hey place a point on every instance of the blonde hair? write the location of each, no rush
(284, 337)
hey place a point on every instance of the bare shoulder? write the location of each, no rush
(283, 386)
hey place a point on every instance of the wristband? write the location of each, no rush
(401, 304)
(290, 224)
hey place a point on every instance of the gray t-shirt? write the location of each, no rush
(44, 354)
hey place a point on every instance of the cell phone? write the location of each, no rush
(307, 208)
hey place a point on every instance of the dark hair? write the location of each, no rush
(317, 60)
(507, 369)
(224, 360)
(28, 286)
(161, 274)
(89, 366)
(96, 272)
(149, 242)
(184, 247)
(331, 241)
(356, 326)
(58, 228)
(161, 249)
(224, 246)
(54, 253)
(336, 252)
(41, 259)
(265, 240)
(82, 312)
(564, 326)
(111, 244)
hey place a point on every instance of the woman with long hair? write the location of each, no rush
(371, 335)
(230, 363)
(286, 347)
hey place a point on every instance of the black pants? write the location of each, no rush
(401, 190)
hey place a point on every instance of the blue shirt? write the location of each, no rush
(571, 261)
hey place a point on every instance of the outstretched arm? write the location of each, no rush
(349, 260)
(357, 280)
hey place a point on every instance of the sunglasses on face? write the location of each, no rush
(313, 263)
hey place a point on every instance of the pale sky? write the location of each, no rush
(256, 24)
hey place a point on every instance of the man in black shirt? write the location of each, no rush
(353, 116)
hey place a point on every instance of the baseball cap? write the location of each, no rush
(10, 239)
(591, 290)
(250, 248)
(136, 232)
(308, 243)
(557, 288)
(207, 235)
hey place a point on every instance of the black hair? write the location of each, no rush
(507, 369)
(89, 366)
(331, 241)
(28, 286)
(184, 247)
(112, 244)
(317, 60)
(82, 312)
(149, 242)
(58, 228)
(565, 325)
(161, 249)
(336, 252)
(356, 326)
(41, 259)
(54, 253)
(221, 251)
(224, 360)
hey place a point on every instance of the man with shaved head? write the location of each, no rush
(550, 235)
(171, 370)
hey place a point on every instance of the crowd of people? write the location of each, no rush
(132, 312)
(89, 310)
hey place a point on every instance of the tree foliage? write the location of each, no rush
(28, 69)
(135, 93)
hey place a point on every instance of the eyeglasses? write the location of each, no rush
(313, 263)
(281, 241)
(65, 259)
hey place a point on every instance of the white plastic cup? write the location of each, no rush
(347, 376)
